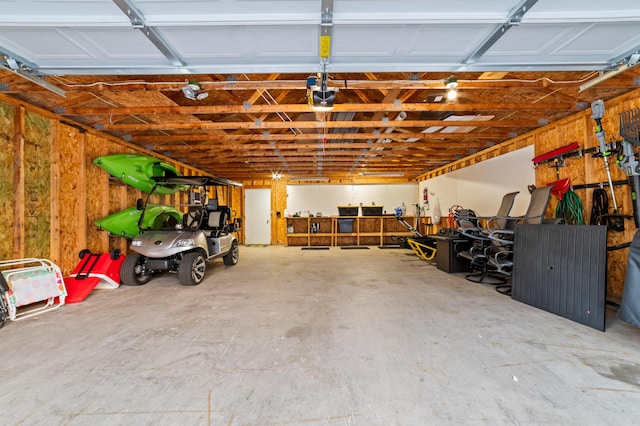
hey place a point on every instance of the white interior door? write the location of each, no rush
(257, 214)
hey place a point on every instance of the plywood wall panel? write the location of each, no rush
(97, 194)
(133, 195)
(50, 190)
(237, 208)
(37, 180)
(596, 172)
(279, 222)
(117, 201)
(73, 196)
(585, 169)
(18, 212)
(6, 120)
(221, 196)
(55, 205)
(6, 181)
(589, 169)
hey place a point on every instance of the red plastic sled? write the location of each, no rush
(93, 271)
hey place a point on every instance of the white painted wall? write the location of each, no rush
(325, 199)
(480, 187)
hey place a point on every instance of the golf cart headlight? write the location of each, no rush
(185, 243)
(136, 243)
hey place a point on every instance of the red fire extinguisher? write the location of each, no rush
(425, 198)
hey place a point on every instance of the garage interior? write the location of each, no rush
(315, 95)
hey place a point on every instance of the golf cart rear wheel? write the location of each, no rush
(133, 272)
(231, 258)
(192, 269)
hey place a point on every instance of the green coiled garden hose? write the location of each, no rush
(570, 209)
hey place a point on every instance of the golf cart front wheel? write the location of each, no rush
(192, 269)
(133, 271)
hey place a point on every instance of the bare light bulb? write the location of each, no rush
(452, 94)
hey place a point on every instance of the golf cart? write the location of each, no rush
(205, 233)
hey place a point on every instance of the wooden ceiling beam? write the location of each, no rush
(290, 108)
(432, 153)
(109, 83)
(311, 137)
(318, 153)
(390, 96)
(263, 125)
(259, 91)
(397, 146)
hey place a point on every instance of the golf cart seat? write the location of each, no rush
(212, 205)
(217, 217)
(193, 218)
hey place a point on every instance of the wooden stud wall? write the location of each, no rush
(17, 146)
(37, 189)
(236, 201)
(279, 223)
(7, 193)
(50, 190)
(72, 192)
(586, 169)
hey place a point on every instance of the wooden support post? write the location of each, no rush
(55, 253)
(81, 218)
(18, 184)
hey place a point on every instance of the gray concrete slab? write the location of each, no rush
(335, 337)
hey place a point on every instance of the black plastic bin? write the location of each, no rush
(348, 210)
(371, 210)
(345, 226)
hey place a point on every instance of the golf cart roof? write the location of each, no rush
(194, 181)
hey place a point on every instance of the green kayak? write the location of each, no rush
(138, 170)
(125, 223)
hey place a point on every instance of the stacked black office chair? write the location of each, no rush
(477, 254)
(492, 252)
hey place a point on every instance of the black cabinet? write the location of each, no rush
(447, 259)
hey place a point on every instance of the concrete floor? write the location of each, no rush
(336, 337)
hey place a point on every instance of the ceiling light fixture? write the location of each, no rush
(451, 84)
(192, 91)
(382, 174)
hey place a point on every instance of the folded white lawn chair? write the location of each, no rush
(31, 281)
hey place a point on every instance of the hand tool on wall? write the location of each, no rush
(597, 112)
(627, 162)
(630, 131)
(569, 206)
